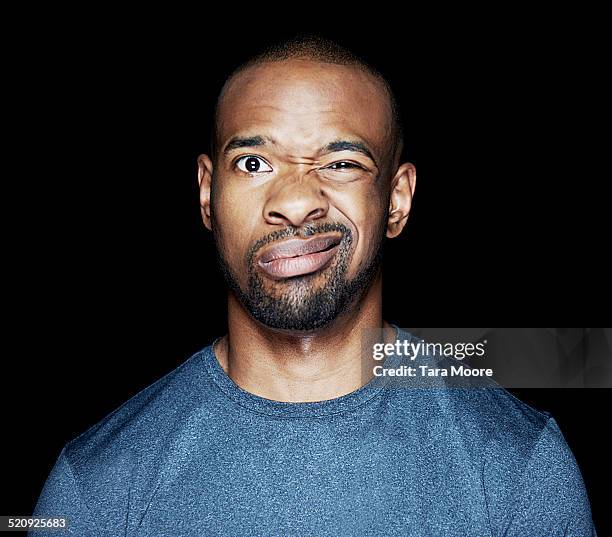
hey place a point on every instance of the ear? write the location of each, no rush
(205, 172)
(400, 200)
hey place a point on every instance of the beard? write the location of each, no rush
(307, 302)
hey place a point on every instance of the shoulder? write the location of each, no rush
(113, 468)
(486, 418)
(525, 469)
(139, 427)
(485, 414)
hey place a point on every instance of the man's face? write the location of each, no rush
(300, 189)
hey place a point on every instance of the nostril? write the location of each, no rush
(315, 213)
(295, 216)
(274, 214)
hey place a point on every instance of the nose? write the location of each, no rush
(296, 202)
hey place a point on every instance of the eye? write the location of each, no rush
(252, 164)
(344, 165)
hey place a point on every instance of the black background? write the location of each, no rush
(110, 276)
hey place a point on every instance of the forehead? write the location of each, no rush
(303, 103)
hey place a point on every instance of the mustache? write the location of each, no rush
(307, 230)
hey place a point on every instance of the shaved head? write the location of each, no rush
(315, 49)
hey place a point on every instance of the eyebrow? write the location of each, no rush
(238, 141)
(338, 145)
(346, 145)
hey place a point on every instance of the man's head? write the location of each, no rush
(304, 182)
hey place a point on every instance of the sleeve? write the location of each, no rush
(60, 496)
(551, 499)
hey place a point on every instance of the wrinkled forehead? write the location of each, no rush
(303, 103)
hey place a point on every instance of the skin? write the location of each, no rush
(299, 106)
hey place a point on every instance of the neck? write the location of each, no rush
(300, 366)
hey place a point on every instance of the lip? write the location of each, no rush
(297, 257)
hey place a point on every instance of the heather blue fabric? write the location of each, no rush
(194, 454)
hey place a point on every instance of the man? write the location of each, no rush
(272, 430)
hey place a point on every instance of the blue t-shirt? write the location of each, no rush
(194, 454)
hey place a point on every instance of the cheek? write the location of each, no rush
(236, 218)
(364, 209)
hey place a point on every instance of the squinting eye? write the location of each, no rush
(343, 165)
(251, 164)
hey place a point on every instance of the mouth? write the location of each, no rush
(298, 257)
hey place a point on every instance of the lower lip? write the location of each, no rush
(299, 265)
